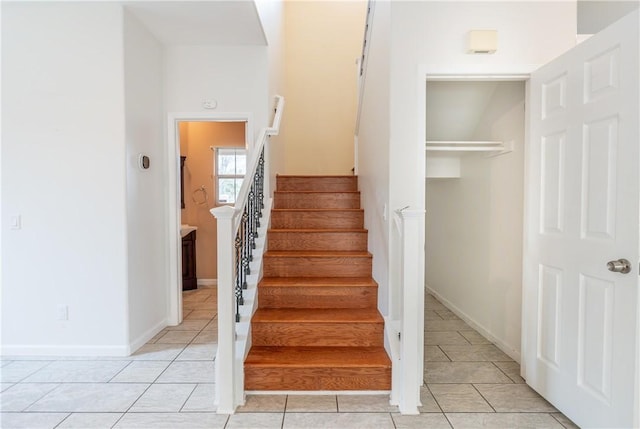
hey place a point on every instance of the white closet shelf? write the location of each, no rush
(492, 148)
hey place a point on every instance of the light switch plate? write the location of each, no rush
(16, 222)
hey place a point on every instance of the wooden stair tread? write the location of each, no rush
(316, 254)
(316, 192)
(303, 230)
(319, 357)
(315, 315)
(309, 176)
(317, 281)
(317, 210)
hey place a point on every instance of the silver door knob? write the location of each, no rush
(620, 266)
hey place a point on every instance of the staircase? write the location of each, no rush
(317, 326)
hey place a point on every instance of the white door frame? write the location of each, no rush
(174, 267)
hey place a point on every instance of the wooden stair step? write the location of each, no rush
(317, 218)
(316, 264)
(317, 183)
(318, 239)
(317, 327)
(318, 292)
(316, 200)
(317, 368)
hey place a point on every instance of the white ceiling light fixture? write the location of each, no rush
(483, 42)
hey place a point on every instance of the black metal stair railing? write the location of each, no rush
(245, 241)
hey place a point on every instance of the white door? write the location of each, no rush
(580, 326)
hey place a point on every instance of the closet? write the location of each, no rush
(474, 203)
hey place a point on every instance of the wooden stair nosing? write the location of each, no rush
(311, 282)
(310, 316)
(305, 357)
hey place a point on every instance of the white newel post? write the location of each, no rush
(412, 323)
(225, 357)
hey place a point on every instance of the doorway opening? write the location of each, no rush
(474, 193)
(200, 178)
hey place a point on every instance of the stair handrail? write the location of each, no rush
(237, 231)
(361, 62)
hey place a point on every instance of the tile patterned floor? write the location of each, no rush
(169, 383)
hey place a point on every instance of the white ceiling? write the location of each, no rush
(205, 22)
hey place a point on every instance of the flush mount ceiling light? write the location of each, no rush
(482, 42)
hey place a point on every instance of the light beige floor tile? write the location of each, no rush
(90, 397)
(206, 351)
(435, 306)
(312, 403)
(565, 421)
(195, 297)
(163, 398)
(421, 421)
(31, 420)
(447, 315)
(429, 404)
(474, 337)
(201, 315)
(141, 371)
(19, 370)
(189, 325)
(365, 403)
(206, 305)
(521, 398)
(464, 372)
(206, 337)
(443, 338)
(255, 421)
(431, 315)
(264, 403)
(435, 354)
(157, 336)
(338, 421)
(22, 395)
(158, 352)
(4, 363)
(446, 325)
(5, 386)
(459, 398)
(202, 399)
(177, 337)
(189, 372)
(73, 371)
(172, 421)
(512, 369)
(475, 353)
(90, 421)
(503, 421)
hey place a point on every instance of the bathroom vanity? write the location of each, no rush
(189, 278)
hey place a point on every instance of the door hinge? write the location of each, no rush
(399, 336)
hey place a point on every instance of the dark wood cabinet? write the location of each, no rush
(189, 279)
(182, 159)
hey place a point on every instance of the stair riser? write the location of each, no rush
(287, 378)
(318, 297)
(280, 266)
(321, 219)
(303, 200)
(320, 241)
(324, 184)
(317, 334)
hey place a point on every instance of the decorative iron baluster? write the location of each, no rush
(239, 297)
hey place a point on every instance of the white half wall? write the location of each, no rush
(373, 153)
(63, 173)
(146, 197)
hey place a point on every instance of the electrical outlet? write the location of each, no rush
(63, 312)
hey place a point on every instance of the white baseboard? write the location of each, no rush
(59, 351)
(145, 337)
(207, 282)
(507, 349)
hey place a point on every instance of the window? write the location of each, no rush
(230, 168)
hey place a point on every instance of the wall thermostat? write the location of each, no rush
(143, 162)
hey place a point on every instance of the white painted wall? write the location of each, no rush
(235, 76)
(474, 225)
(594, 15)
(63, 148)
(431, 35)
(146, 196)
(271, 15)
(373, 153)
